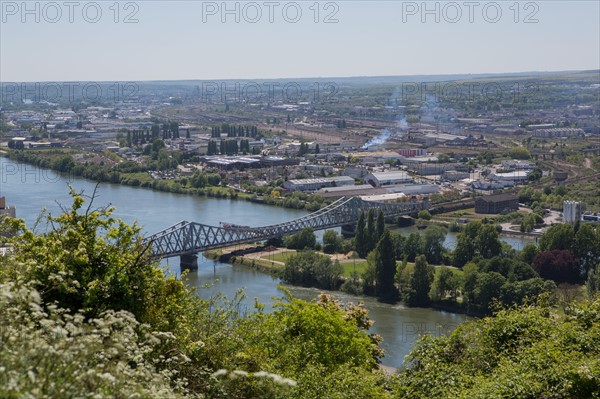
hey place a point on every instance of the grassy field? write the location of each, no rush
(279, 257)
(359, 266)
(260, 264)
(266, 261)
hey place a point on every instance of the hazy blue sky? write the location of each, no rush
(177, 40)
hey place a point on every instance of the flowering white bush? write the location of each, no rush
(85, 313)
(48, 353)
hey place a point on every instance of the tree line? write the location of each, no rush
(481, 271)
(235, 131)
(230, 147)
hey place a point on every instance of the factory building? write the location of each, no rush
(500, 203)
(572, 211)
(378, 179)
(317, 183)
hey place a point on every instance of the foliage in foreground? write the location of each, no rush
(527, 352)
(46, 352)
(84, 313)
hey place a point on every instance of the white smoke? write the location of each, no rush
(385, 134)
(381, 139)
(402, 124)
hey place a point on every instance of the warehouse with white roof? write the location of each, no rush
(378, 179)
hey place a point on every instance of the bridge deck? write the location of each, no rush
(187, 238)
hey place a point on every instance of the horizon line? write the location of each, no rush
(479, 74)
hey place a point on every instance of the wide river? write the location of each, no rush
(32, 189)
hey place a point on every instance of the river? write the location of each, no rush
(32, 189)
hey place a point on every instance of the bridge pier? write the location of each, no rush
(188, 262)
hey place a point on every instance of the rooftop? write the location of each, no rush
(396, 174)
(321, 180)
(498, 198)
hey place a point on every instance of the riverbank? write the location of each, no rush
(237, 256)
(62, 162)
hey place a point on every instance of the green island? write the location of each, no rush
(480, 273)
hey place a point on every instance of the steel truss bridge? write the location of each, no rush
(186, 239)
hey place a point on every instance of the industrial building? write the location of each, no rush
(233, 162)
(454, 175)
(572, 211)
(424, 167)
(414, 189)
(499, 203)
(317, 183)
(491, 185)
(350, 191)
(241, 162)
(520, 165)
(412, 152)
(519, 176)
(378, 179)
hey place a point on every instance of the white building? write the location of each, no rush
(414, 189)
(572, 211)
(515, 164)
(378, 179)
(317, 183)
(519, 176)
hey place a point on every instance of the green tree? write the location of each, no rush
(424, 214)
(303, 330)
(443, 158)
(398, 241)
(385, 265)
(528, 253)
(488, 241)
(466, 247)
(361, 245)
(332, 242)
(371, 230)
(488, 286)
(593, 281)
(559, 236)
(301, 240)
(517, 292)
(520, 271)
(446, 283)
(412, 247)
(433, 244)
(586, 246)
(380, 227)
(311, 269)
(520, 153)
(420, 283)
